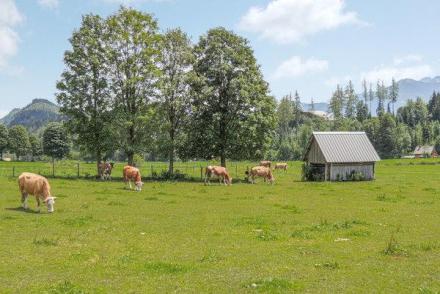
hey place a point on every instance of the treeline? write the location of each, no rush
(54, 142)
(130, 87)
(393, 133)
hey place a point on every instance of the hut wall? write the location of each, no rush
(367, 169)
(315, 154)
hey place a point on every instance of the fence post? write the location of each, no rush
(13, 171)
(201, 173)
(236, 171)
(152, 171)
(53, 168)
(77, 171)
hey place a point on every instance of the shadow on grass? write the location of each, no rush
(21, 209)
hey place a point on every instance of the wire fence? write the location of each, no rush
(151, 170)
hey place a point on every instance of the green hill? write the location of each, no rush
(34, 116)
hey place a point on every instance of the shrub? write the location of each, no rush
(312, 173)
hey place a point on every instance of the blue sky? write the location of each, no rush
(304, 45)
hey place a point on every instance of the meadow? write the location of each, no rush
(346, 237)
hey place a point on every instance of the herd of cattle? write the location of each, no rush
(38, 186)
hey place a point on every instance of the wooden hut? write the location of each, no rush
(425, 151)
(340, 156)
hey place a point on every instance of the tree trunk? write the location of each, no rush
(130, 156)
(223, 159)
(171, 155)
(98, 161)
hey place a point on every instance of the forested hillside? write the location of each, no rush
(34, 116)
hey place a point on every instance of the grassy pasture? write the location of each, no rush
(359, 237)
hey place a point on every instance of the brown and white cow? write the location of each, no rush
(266, 163)
(260, 171)
(281, 165)
(38, 186)
(219, 172)
(105, 170)
(132, 174)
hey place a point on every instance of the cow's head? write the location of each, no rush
(139, 186)
(50, 201)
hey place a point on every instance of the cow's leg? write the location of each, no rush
(24, 197)
(38, 203)
(129, 183)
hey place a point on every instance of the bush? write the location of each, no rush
(312, 173)
(177, 175)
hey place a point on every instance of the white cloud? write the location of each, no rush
(386, 73)
(10, 17)
(411, 58)
(287, 21)
(296, 66)
(51, 4)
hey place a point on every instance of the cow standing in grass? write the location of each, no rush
(266, 163)
(105, 170)
(281, 165)
(38, 186)
(219, 172)
(132, 174)
(260, 171)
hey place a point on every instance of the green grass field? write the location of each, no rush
(358, 237)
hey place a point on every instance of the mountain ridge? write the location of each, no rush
(33, 116)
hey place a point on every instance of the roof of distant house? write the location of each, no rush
(425, 149)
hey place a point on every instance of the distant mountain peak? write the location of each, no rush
(33, 116)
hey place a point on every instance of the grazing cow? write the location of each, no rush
(219, 172)
(105, 170)
(38, 186)
(260, 171)
(133, 174)
(266, 163)
(281, 165)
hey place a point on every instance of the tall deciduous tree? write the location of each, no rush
(370, 97)
(18, 141)
(394, 93)
(36, 147)
(350, 101)
(434, 106)
(386, 135)
(297, 109)
(55, 141)
(3, 139)
(285, 115)
(381, 94)
(337, 103)
(84, 93)
(176, 63)
(234, 116)
(134, 52)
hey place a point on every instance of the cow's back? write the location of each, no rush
(34, 184)
(131, 173)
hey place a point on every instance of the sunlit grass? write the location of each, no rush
(364, 237)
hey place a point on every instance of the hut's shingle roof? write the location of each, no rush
(345, 147)
(421, 150)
